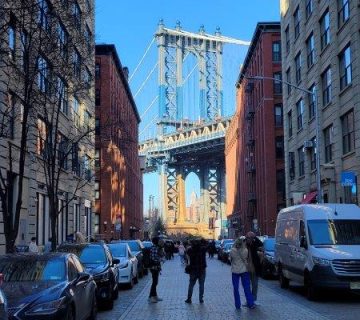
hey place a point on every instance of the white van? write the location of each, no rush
(319, 246)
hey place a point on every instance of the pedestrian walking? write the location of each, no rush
(33, 246)
(197, 268)
(240, 270)
(156, 255)
(79, 237)
(181, 250)
(212, 249)
(255, 247)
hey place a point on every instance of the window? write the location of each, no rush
(43, 15)
(276, 51)
(300, 114)
(311, 98)
(313, 154)
(310, 47)
(288, 79)
(87, 78)
(298, 67)
(41, 137)
(301, 157)
(97, 71)
(278, 109)
(291, 165)
(76, 112)
(97, 97)
(87, 174)
(343, 11)
(97, 158)
(77, 217)
(76, 13)
(277, 84)
(279, 147)
(97, 190)
(309, 8)
(326, 86)
(62, 91)
(297, 22)
(77, 64)
(348, 133)
(88, 39)
(63, 39)
(7, 118)
(75, 159)
(328, 141)
(62, 151)
(325, 29)
(97, 126)
(280, 182)
(87, 120)
(287, 39)
(23, 50)
(290, 128)
(43, 74)
(345, 67)
(12, 40)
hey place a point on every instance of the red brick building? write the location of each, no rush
(254, 142)
(118, 185)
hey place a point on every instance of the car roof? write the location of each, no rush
(33, 256)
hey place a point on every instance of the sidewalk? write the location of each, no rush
(219, 302)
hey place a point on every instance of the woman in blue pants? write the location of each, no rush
(239, 268)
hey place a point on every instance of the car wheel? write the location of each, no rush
(93, 309)
(109, 305)
(284, 282)
(140, 273)
(70, 313)
(312, 293)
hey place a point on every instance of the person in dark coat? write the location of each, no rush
(197, 266)
(255, 246)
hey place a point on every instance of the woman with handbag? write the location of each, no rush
(240, 270)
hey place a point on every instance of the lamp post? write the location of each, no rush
(313, 94)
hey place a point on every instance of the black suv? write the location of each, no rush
(137, 248)
(98, 261)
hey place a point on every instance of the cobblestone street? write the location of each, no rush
(274, 302)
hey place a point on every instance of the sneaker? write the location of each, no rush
(153, 300)
(256, 303)
(201, 300)
(188, 301)
(250, 307)
(159, 299)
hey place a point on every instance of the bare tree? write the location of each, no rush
(46, 62)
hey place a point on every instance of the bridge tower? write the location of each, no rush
(183, 146)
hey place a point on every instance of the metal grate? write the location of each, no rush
(346, 267)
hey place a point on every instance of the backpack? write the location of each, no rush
(146, 258)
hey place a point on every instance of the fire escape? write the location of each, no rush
(250, 155)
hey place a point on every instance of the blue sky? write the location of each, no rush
(131, 24)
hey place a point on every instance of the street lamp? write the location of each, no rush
(317, 122)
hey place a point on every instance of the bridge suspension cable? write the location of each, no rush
(142, 59)
(148, 125)
(147, 78)
(148, 108)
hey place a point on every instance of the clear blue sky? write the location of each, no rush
(131, 24)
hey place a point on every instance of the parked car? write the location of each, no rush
(128, 265)
(98, 261)
(3, 306)
(318, 246)
(226, 252)
(147, 244)
(137, 249)
(217, 245)
(268, 262)
(222, 244)
(50, 286)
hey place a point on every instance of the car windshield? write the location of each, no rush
(33, 269)
(269, 244)
(228, 246)
(134, 246)
(147, 244)
(93, 255)
(330, 232)
(118, 249)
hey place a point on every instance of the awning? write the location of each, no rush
(310, 198)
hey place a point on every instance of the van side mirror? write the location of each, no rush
(303, 242)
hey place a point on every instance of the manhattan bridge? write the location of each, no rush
(181, 145)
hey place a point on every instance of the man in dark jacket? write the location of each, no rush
(255, 246)
(197, 266)
(156, 255)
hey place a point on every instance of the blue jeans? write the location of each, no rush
(245, 281)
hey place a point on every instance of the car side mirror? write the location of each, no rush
(303, 242)
(82, 276)
(116, 261)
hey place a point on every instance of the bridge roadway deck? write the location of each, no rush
(275, 303)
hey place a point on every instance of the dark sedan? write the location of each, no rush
(50, 286)
(98, 261)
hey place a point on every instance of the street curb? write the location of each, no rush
(131, 306)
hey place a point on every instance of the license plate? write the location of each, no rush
(355, 285)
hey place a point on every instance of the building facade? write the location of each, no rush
(118, 185)
(254, 142)
(46, 112)
(320, 48)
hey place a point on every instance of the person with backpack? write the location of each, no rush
(156, 256)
